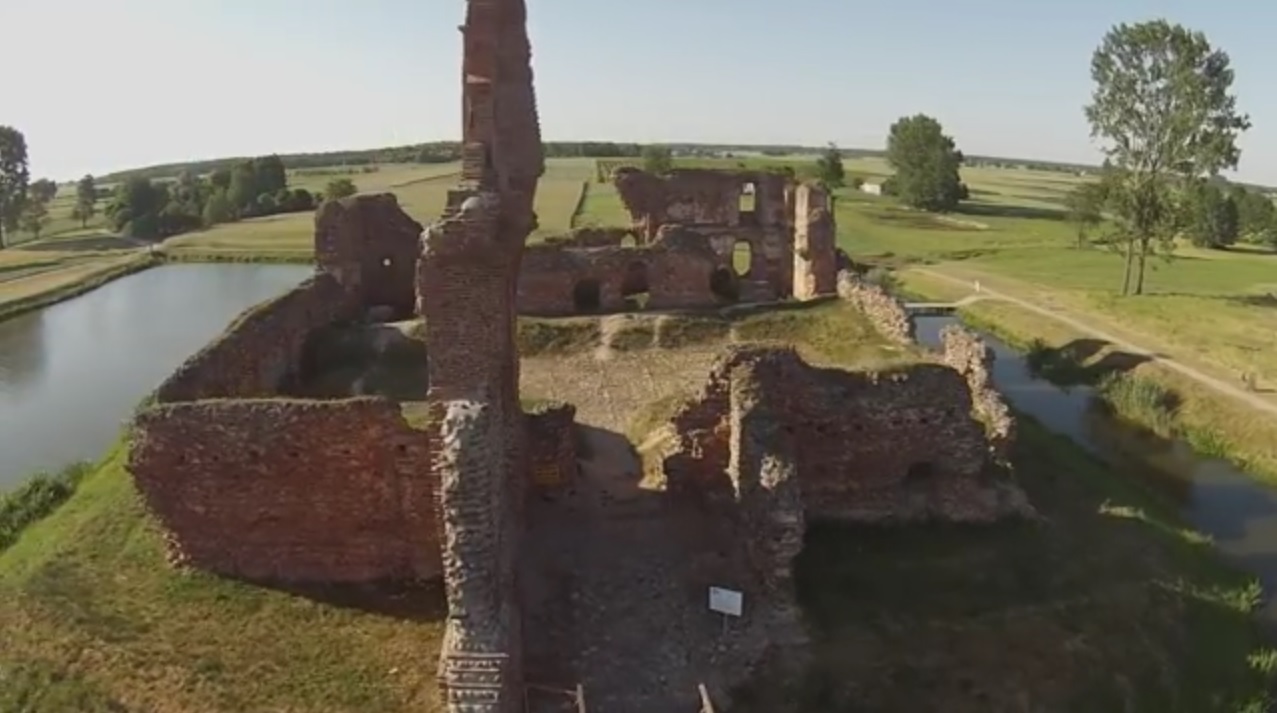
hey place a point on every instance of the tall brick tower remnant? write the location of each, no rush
(466, 286)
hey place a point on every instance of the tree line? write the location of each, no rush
(144, 208)
(141, 207)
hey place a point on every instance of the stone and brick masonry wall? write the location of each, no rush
(287, 490)
(869, 447)
(250, 485)
(261, 347)
(886, 312)
(967, 354)
(370, 245)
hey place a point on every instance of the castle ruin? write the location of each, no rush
(556, 565)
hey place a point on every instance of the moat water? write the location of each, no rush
(71, 374)
(1215, 496)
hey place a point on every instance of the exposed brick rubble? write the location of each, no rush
(883, 309)
(971, 357)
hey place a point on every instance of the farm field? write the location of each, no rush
(421, 190)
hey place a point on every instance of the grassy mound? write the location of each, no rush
(94, 620)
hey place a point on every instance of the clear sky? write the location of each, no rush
(102, 86)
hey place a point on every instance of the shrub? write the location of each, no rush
(36, 499)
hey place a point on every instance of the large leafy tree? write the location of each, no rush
(926, 162)
(829, 168)
(1163, 110)
(13, 179)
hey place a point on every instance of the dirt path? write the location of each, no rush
(1254, 400)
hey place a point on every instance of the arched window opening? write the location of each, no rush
(634, 288)
(585, 296)
(742, 258)
(629, 241)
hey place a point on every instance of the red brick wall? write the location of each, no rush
(856, 435)
(325, 491)
(370, 245)
(262, 346)
(674, 277)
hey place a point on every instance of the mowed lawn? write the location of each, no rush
(1217, 308)
(422, 191)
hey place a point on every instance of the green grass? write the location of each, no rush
(831, 332)
(37, 498)
(1110, 605)
(93, 619)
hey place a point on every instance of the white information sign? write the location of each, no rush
(727, 602)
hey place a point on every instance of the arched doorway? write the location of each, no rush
(634, 287)
(585, 296)
(724, 284)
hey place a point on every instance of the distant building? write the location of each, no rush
(873, 189)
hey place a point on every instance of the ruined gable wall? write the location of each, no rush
(701, 197)
(887, 313)
(261, 347)
(370, 245)
(288, 490)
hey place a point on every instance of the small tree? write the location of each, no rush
(829, 169)
(35, 215)
(657, 159)
(1211, 217)
(1162, 108)
(42, 191)
(926, 163)
(13, 179)
(339, 188)
(218, 209)
(1085, 205)
(86, 200)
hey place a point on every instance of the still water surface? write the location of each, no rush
(70, 374)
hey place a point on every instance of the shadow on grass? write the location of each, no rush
(91, 243)
(403, 600)
(995, 210)
(1075, 363)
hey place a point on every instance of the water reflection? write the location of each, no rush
(71, 374)
(1215, 496)
(22, 354)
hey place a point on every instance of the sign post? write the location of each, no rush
(727, 602)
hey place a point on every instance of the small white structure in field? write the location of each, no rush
(873, 189)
